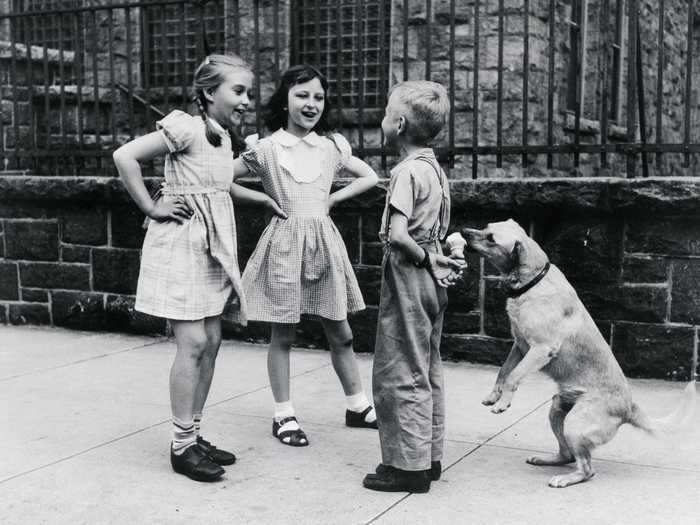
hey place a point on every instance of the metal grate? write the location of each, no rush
(362, 29)
(172, 35)
(54, 31)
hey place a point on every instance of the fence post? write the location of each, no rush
(632, 24)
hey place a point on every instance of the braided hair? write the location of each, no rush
(208, 76)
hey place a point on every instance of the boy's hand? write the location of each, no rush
(444, 269)
(274, 207)
(176, 210)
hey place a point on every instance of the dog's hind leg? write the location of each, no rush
(514, 357)
(557, 413)
(588, 425)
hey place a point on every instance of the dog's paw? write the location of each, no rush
(500, 407)
(491, 399)
(564, 480)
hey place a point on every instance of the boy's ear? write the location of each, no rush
(403, 125)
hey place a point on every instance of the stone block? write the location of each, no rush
(29, 313)
(461, 323)
(71, 276)
(585, 251)
(664, 236)
(372, 253)
(121, 315)
(463, 296)
(496, 321)
(250, 223)
(653, 350)
(349, 228)
(31, 239)
(115, 270)
(79, 310)
(371, 222)
(127, 227)
(19, 209)
(475, 348)
(364, 329)
(3, 314)
(85, 226)
(625, 303)
(71, 253)
(9, 287)
(644, 269)
(35, 295)
(685, 293)
(370, 280)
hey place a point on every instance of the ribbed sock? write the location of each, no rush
(197, 423)
(184, 435)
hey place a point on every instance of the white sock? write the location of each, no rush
(197, 423)
(184, 436)
(285, 409)
(357, 403)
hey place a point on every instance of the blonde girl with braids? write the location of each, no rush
(189, 264)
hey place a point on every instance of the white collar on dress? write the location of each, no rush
(288, 140)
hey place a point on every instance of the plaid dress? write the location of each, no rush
(300, 265)
(190, 271)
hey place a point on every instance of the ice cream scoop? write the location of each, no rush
(456, 243)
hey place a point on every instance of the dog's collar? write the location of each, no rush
(517, 292)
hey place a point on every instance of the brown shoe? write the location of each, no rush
(396, 480)
(195, 464)
(217, 455)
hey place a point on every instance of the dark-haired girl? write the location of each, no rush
(189, 265)
(300, 265)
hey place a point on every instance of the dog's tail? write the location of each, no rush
(673, 422)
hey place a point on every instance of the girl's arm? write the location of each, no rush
(242, 195)
(366, 179)
(127, 159)
(442, 268)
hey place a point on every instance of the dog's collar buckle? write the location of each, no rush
(517, 292)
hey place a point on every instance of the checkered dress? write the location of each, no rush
(190, 271)
(300, 265)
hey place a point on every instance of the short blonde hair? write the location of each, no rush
(426, 106)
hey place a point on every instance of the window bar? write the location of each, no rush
(129, 72)
(295, 52)
(499, 86)
(688, 83)
(237, 26)
(145, 16)
(317, 34)
(201, 52)
(15, 98)
(383, 72)
(256, 29)
(659, 83)
(577, 53)
(47, 102)
(96, 90)
(526, 76)
(339, 62)
(183, 51)
(475, 94)
(451, 129)
(632, 83)
(112, 84)
(360, 75)
(405, 40)
(276, 26)
(165, 59)
(640, 99)
(605, 102)
(61, 74)
(30, 89)
(550, 87)
(428, 39)
(79, 79)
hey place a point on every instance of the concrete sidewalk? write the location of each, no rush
(86, 441)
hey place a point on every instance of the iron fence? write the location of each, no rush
(78, 80)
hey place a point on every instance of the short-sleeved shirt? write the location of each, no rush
(418, 189)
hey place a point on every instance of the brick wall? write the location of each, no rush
(69, 256)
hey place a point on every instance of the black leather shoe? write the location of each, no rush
(434, 472)
(357, 419)
(217, 455)
(195, 464)
(396, 480)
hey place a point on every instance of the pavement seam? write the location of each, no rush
(133, 433)
(479, 446)
(79, 361)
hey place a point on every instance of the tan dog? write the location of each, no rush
(554, 332)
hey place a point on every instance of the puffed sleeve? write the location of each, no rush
(252, 158)
(178, 130)
(403, 192)
(343, 149)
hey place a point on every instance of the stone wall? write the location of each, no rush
(69, 256)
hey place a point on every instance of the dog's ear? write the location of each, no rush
(505, 239)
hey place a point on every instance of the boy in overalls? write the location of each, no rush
(407, 374)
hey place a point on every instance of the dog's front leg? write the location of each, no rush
(514, 357)
(536, 358)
